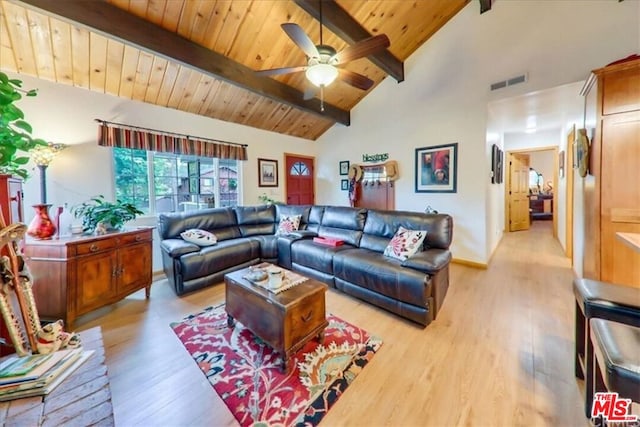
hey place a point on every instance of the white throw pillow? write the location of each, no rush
(199, 237)
(405, 243)
(288, 223)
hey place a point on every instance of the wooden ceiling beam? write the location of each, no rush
(348, 29)
(116, 23)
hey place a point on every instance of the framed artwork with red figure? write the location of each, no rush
(437, 169)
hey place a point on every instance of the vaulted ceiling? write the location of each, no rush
(199, 55)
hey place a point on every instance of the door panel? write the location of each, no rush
(300, 180)
(519, 192)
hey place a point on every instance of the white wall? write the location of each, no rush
(495, 200)
(64, 114)
(445, 95)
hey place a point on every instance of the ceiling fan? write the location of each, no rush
(324, 63)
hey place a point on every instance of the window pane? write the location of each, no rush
(165, 185)
(299, 168)
(228, 181)
(130, 167)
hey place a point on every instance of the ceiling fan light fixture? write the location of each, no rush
(321, 75)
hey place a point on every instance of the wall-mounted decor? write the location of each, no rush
(582, 152)
(500, 166)
(381, 157)
(344, 167)
(437, 168)
(561, 164)
(267, 173)
(494, 164)
(344, 184)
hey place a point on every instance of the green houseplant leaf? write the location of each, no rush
(113, 214)
(15, 132)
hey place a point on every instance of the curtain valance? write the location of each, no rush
(124, 136)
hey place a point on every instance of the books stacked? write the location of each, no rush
(329, 241)
(38, 374)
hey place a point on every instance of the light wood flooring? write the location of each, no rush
(499, 354)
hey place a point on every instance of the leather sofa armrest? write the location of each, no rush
(178, 247)
(430, 261)
(284, 245)
(301, 234)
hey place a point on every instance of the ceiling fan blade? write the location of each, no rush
(355, 79)
(279, 71)
(363, 48)
(301, 39)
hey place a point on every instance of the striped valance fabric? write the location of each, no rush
(110, 135)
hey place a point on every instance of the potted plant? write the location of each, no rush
(99, 214)
(15, 132)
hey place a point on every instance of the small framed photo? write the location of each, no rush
(267, 173)
(344, 167)
(437, 169)
(344, 184)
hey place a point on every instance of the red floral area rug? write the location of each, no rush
(246, 374)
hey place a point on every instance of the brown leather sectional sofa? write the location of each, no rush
(414, 288)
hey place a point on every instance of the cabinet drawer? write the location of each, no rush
(95, 246)
(142, 236)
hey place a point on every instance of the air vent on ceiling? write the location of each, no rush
(509, 82)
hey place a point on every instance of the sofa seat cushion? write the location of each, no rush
(314, 255)
(378, 273)
(224, 255)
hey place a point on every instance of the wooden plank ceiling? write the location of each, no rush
(43, 45)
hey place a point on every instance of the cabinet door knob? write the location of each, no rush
(114, 272)
(138, 238)
(93, 248)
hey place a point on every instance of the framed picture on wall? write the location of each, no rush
(344, 167)
(437, 169)
(267, 173)
(344, 184)
(500, 166)
(494, 164)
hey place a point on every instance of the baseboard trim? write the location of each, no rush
(470, 263)
(157, 275)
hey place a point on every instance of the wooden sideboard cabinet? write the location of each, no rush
(11, 199)
(75, 275)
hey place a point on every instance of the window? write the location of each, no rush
(299, 168)
(164, 182)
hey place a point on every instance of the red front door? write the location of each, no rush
(300, 181)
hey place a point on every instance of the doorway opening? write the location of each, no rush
(531, 188)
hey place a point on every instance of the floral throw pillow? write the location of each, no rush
(405, 243)
(199, 237)
(288, 223)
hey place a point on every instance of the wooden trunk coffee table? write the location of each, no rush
(285, 321)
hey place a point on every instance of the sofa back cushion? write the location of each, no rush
(292, 211)
(382, 225)
(255, 220)
(219, 221)
(343, 223)
(315, 219)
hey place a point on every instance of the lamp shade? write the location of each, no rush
(43, 156)
(322, 74)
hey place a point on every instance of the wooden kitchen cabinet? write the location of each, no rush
(612, 188)
(75, 275)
